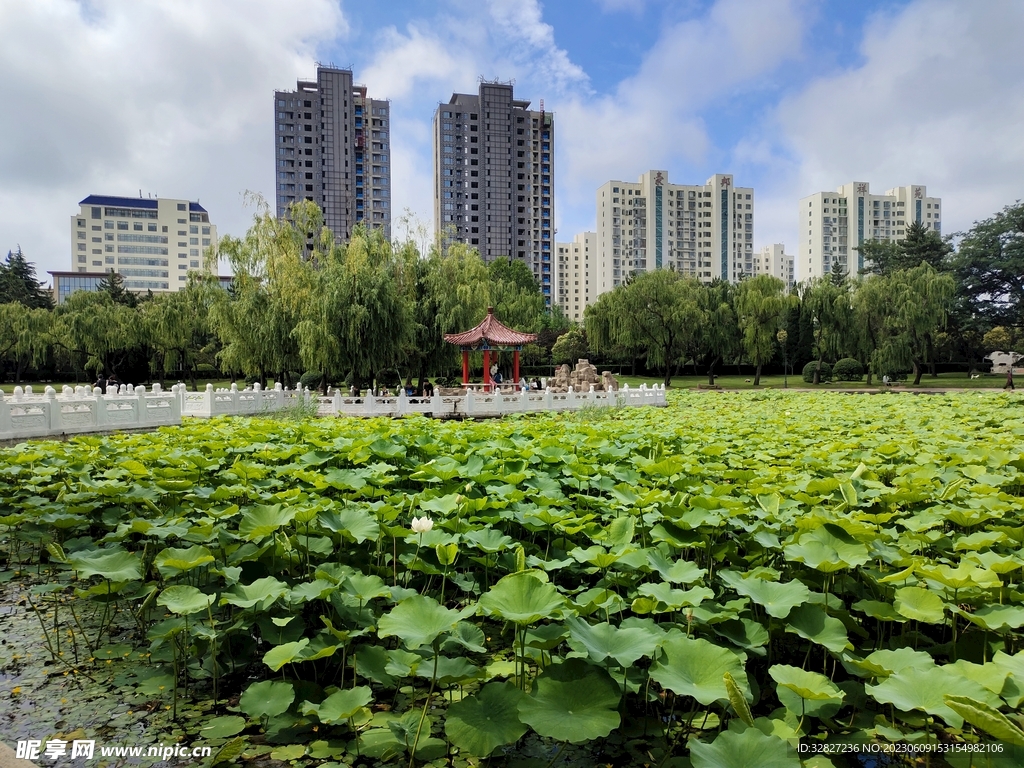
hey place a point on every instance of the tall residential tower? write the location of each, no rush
(333, 146)
(836, 223)
(705, 231)
(494, 178)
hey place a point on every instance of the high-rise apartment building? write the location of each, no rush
(153, 243)
(494, 178)
(333, 146)
(705, 231)
(834, 224)
(577, 278)
(773, 260)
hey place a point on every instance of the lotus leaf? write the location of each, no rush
(222, 727)
(695, 668)
(920, 604)
(481, 723)
(419, 620)
(996, 618)
(924, 689)
(184, 600)
(778, 599)
(171, 561)
(812, 623)
(287, 653)
(522, 598)
(263, 520)
(341, 705)
(111, 564)
(987, 718)
(357, 524)
(268, 698)
(828, 549)
(573, 702)
(261, 594)
(806, 685)
(742, 750)
(602, 641)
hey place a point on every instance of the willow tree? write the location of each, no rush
(657, 312)
(95, 332)
(718, 336)
(178, 326)
(760, 309)
(917, 301)
(450, 294)
(255, 318)
(22, 336)
(831, 316)
(354, 313)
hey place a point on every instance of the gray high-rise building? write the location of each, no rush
(333, 147)
(493, 177)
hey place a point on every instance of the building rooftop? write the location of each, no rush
(132, 202)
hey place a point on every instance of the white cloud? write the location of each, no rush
(935, 101)
(654, 118)
(174, 98)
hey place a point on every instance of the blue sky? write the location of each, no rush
(790, 96)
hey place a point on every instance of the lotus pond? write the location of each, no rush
(721, 583)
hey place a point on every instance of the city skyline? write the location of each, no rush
(789, 96)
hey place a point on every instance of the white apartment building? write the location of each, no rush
(773, 260)
(576, 278)
(832, 225)
(152, 242)
(705, 231)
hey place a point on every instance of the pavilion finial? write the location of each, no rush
(490, 310)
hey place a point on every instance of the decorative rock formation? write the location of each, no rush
(581, 379)
(608, 382)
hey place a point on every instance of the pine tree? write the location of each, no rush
(113, 286)
(18, 283)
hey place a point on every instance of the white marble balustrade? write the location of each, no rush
(85, 409)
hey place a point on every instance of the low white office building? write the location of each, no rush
(576, 275)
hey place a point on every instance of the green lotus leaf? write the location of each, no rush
(172, 561)
(263, 520)
(341, 705)
(603, 640)
(287, 653)
(111, 564)
(996, 618)
(812, 623)
(673, 599)
(743, 750)
(920, 604)
(365, 588)
(468, 636)
(695, 668)
(924, 690)
(268, 698)
(481, 723)
(677, 572)
(777, 598)
(184, 600)
(961, 577)
(987, 718)
(806, 685)
(261, 594)
(222, 727)
(991, 676)
(877, 610)
(596, 556)
(318, 589)
(522, 598)
(572, 702)
(450, 671)
(488, 540)
(352, 522)
(886, 662)
(419, 620)
(828, 549)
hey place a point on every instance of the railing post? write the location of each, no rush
(547, 398)
(436, 404)
(101, 406)
(54, 420)
(470, 404)
(336, 402)
(368, 402)
(176, 403)
(209, 401)
(6, 428)
(142, 415)
(402, 403)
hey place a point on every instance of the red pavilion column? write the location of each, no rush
(515, 367)
(487, 369)
(465, 366)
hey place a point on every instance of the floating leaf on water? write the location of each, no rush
(572, 702)
(481, 723)
(743, 750)
(266, 699)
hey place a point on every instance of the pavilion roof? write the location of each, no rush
(493, 332)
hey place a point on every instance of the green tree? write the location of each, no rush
(989, 269)
(113, 286)
(760, 308)
(917, 301)
(22, 336)
(95, 332)
(718, 337)
(570, 347)
(18, 283)
(828, 305)
(515, 294)
(920, 244)
(178, 326)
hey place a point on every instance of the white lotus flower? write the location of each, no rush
(422, 524)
